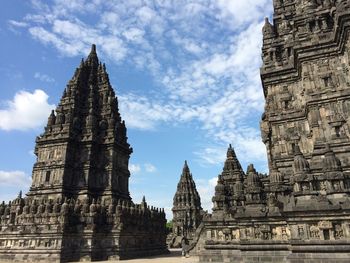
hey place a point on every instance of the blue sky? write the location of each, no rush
(186, 74)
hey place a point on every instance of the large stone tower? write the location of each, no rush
(187, 210)
(300, 212)
(79, 206)
(305, 77)
(84, 150)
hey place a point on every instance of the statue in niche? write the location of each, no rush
(266, 235)
(314, 232)
(247, 233)
(284, 233)
(338, 232)
(274, 234)
(305, 187)
(285, 26)
(301, 232)
(221, 236)
(272, 201)
(257, 233)
(336, 186)
(323, 186)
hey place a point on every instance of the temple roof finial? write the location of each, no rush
(230, 152)
(92, 58)
(93, 48)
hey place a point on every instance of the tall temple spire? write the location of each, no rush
(229, 187)
(80, 186)
(232, 170)
(88, 122)
(187, 210)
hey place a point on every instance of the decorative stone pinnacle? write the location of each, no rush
(230, 152)
(93, 48)
(297, 150)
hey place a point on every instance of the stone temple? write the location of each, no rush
(78, 206)
(300, 212)
(187, 210)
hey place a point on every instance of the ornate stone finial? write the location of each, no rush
(330, 163)
(186, 169)
(253, 177)
(300, 164)
(268, 29)
(230, 152)
(275, 176)
(143, 199)
(20, 194)
(251, 169)
(52, 119)
(297, 150)
(92, 59)
(93, 48)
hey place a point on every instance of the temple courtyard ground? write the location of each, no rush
(173, 257)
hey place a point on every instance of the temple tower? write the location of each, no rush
(83, 151)
(187, 210)
(300, 211)
(229, 191)
(306, 59)
(78, 207)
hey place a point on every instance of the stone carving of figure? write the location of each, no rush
(301, 232)
(314, 232)
(338, 233)
(257, 233)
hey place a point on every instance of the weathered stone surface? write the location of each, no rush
(187, 210)
(79, 206)
(300, 212)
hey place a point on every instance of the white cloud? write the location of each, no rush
(206, 190)
(134, 34)
(14, 178)
(26, 111)
(17, 23)
(137, 168)
(150, 168)
(237, 12)
(134, 168)
(204, 55)
(211, 155)
(43, 77)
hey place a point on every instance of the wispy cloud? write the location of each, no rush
(43, 77)
(206, 189)
(26, 111)
(205, 56)
(137, 169)
(150, 168)
(14, 178)
(134, 168)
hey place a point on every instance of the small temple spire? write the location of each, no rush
(186, 204)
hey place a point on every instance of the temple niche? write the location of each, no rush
(300, 211)
(79, 207)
